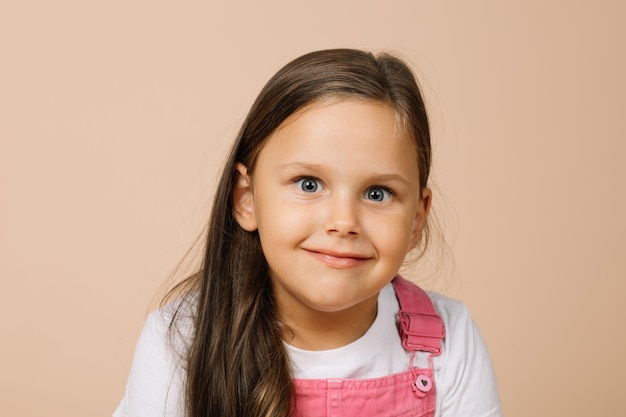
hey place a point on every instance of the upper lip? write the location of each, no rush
(338, 254)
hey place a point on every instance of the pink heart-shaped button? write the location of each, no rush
(423, 383)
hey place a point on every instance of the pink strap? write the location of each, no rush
(421, 328)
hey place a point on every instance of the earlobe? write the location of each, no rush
(243, 199)
(421, 215)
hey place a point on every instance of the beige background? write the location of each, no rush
(115, 116)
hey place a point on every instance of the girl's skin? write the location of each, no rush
(335, 198)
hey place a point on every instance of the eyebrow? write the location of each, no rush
(300, 165)
(390, 178)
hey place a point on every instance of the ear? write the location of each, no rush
(243, 199)
(423, 208)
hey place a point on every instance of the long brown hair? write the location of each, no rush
(235, 361)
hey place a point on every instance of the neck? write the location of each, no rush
(314, 330)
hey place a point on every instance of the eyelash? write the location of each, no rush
(387, 192)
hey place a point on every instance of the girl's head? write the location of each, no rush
(376, 102)
(331, 170)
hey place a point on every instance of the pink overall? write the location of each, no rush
(410, 393)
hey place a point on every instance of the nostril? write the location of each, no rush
(344, 231)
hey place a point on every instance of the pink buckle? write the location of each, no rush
(421, 332)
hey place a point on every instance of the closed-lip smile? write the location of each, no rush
(338, 259)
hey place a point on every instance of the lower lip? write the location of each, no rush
(338, 261)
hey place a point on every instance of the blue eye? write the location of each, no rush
(308, 184)
(377, 194)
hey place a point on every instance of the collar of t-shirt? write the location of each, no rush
(377, 353)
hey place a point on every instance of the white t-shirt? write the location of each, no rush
(464, 377)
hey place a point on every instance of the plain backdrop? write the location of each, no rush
(115, 117)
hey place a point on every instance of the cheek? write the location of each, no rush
(278, 221)
(391, 235)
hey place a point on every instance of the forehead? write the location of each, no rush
(344, 132)
(335, 107)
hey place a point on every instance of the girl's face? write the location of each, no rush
(335, 198)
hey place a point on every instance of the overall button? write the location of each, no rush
(423, 383)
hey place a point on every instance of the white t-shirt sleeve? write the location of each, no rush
(155, 380)
(467, 384)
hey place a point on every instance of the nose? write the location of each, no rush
(343, 216)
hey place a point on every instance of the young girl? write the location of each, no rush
(297, 309)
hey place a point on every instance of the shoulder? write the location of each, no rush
(463, 337)
(167, 331)
(453, 312)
